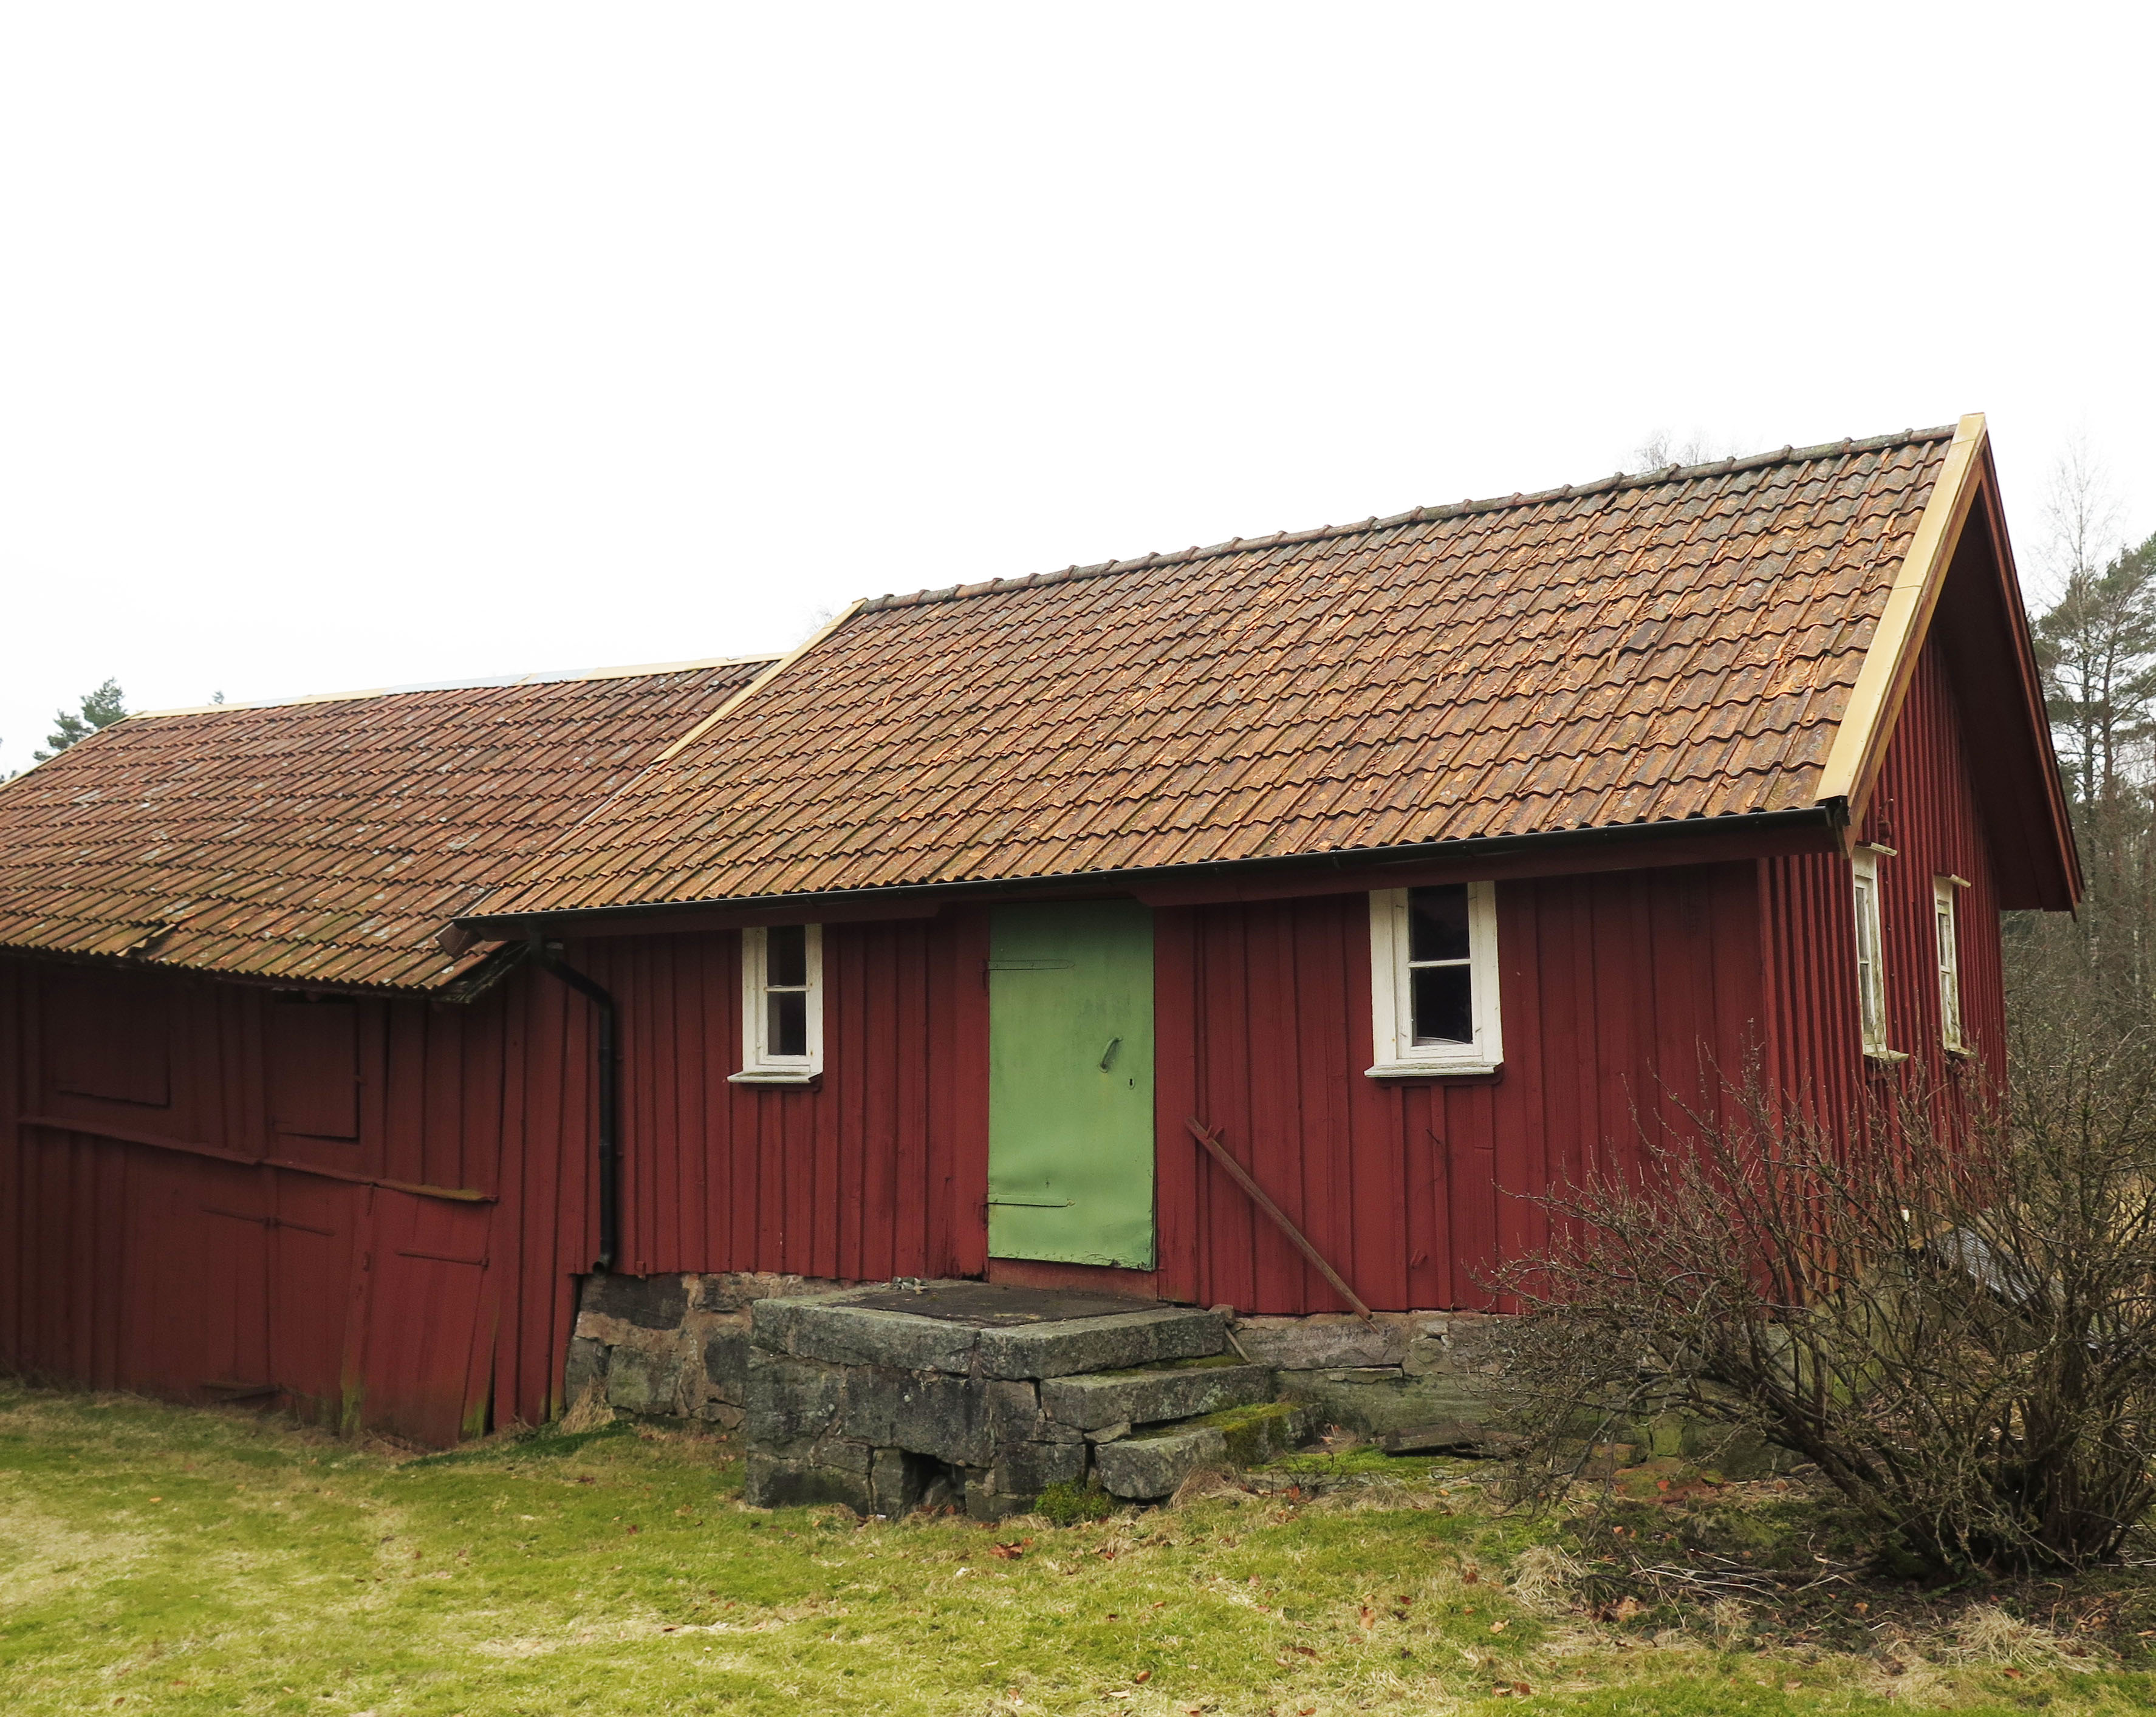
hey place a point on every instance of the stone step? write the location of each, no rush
(1141, 1468)
(1073, 1346)
(1180, 1389)
(836, 1329)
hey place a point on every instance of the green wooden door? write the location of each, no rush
(1071, 1083)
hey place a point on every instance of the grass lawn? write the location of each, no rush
(161, 1559)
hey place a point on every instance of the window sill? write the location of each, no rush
(1430, 1069)
(1886, 1057)
(774, 1076)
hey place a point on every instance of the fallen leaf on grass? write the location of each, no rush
(1143, 1675)
(1009, 1552)
(1369, 1617)
(2015, 1674)
(1496, 1627)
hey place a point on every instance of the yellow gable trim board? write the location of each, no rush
(1860, 744)
(756, 685)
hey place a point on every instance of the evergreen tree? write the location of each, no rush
(99, 708)
(2098, 645)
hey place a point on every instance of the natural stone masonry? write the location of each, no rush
(887, 1398)
(670, 1347)
(1141, 1468)
(944, 1329)
(1148, 1395)
(1407, 1380)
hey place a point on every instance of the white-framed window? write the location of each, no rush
(781, 1004)
(1434, 979)
(1949, 948)
(1871, 968)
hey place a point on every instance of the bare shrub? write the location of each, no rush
(1950, 1311)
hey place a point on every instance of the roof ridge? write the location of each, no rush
(1785, 454)
(543, 676)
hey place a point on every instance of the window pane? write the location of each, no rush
(786, 954)
(1871, 999)
(1443, 1011)
(789, 1031)
(1949, 979)
(1438, 921)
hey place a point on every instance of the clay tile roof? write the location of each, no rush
(1672, 645)
(328, 840)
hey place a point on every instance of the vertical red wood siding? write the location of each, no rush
(1621, 994)
(307, 1200)
(879, 1169)
(1926, 809)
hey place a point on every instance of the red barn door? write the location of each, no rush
(421, 1367)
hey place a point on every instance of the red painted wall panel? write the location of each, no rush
(207, 1247)
(856, 1177)
(1621, 993)
(1926, 809)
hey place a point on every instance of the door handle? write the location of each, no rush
(1108, 1055)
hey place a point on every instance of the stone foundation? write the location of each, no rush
(885, 1411)
(1406, 1379)
(671, 1347)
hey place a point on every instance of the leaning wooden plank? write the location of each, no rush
(1241, 1176)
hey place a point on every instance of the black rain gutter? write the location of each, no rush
(549, 954)
(1826, 815)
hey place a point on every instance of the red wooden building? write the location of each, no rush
(338, 1040)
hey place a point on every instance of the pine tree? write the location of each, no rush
(2098, 647)
(99, 708)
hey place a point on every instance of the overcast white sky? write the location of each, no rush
(351, 346)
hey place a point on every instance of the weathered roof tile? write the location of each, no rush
(330, 839)
(1627, 651)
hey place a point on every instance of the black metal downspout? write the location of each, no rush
(549, 954)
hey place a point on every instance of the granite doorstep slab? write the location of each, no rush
(1101, 1344)
(1091, 1400)
(827, 1327)
(1144, 1466)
